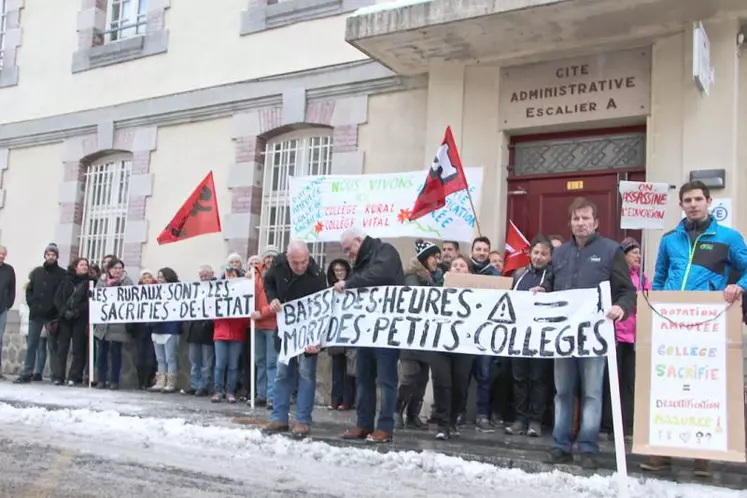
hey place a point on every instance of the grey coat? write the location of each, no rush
(112, 332)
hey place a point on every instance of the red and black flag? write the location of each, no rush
(445, 177)
(198, 216)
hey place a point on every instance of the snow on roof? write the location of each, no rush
(386, 6)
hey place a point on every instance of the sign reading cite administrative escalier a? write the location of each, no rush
(604, 86)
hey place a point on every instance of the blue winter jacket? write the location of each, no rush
(703, 266)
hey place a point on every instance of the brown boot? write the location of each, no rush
(657, 463)
(702, 468)
(301, 430)
(276, 426)
(356, 433)
(379, 437)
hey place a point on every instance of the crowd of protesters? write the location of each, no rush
(513, 395)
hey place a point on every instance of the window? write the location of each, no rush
(127, 18)
(105, 207)
(294, 155)
(3, 27)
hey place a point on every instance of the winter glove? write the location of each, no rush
(70, 315)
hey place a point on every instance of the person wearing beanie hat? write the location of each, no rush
(625, 346)
(43, 284)
(234, 260)
(269, 254)
(423, 271)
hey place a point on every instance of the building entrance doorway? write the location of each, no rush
(547, 172)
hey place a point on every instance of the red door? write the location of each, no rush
(540, 206)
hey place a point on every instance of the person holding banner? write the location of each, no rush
(583, 262)
(199, 335)
(530, 374)
(265, 337)
(451, 373)
(294, 275)
(376, 264)
(229, 336)
(166, 343)
(342, 396)
(699, 255)
(71, 301)
(414, 370)
(111, 336)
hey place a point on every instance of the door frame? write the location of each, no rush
(513, 181)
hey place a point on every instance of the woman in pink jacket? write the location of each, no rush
(625, 336)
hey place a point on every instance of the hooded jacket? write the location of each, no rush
(71, 298)
(703, 264)
(378, 264)
(231, 329)
(43, 283)
(528, 277)
(625, 329)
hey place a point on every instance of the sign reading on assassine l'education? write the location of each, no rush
(451, 320)
(178, 301)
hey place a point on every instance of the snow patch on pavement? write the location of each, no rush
(354, 471)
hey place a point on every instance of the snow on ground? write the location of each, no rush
(385, 6)
(316, 467)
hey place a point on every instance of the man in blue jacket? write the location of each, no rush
(699, 255)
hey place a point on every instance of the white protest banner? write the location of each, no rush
(451, 320)
(688, 374)
(643, 205)
(173, 302)
(322, 207)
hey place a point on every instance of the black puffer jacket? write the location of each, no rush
(40, 294)
(378, 263)
(71, 298)
(284, 285)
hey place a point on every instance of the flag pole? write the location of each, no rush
(252, 353)
(474, 211)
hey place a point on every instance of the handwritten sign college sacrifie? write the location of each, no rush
(451, 320)
(322, 207)
(688, 377)
(179, 301)
(643, 205)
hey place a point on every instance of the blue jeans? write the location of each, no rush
(36, 349)
(568, 372)
(266, 363)
(285, 383)
(227, 354)
(376, 366)
(167, 355)
(483, 371)
(201, 365)
(3, 321)
(103, 361)
(343, 385)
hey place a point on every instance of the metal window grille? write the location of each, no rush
(127, 18)
(3, 28)
(105, 208)
(299, 155)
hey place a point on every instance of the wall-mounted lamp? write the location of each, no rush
(713, 178)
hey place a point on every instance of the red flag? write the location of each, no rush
(517, 249)
(198, 216)
(445, 177)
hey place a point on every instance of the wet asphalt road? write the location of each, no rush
(30, 470)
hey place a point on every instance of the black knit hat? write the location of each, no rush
(628, 244)
(423, 249)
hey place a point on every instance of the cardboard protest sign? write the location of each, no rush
(322, 207)
(470, 280)
(644, 205)
(689, 380)
(446, 319)
(173, 302)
